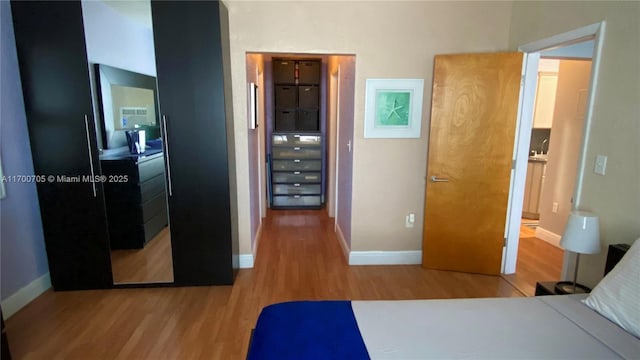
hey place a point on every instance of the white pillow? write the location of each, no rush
(617, 296)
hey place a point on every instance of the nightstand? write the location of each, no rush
(549, 288)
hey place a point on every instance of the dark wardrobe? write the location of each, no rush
(192, 62)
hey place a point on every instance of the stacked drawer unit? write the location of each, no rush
(135, 200)
(296, 177)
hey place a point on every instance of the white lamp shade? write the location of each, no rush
(582, 233)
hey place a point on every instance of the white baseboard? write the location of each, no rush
(548, 236)
(385, 257)
(343, 242)
(24, 296)
(246, 261)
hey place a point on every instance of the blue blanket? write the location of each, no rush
(307, 330)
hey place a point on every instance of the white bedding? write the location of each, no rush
(547, 327)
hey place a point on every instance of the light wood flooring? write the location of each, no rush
(298, 258)
(153, 263)
(537, 261)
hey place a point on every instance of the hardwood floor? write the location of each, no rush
(152, 264)
(298, 258)
(537, 261)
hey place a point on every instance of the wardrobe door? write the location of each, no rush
(189, 61)
(57, 96)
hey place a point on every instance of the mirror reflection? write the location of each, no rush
(132, 157)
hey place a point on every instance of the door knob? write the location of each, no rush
(437, 179)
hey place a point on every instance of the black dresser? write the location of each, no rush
(135, 197)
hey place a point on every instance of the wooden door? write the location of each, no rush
(473, 120)
(57, 97)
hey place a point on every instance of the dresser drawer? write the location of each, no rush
(155, 224)
(296, 189)
(297, 165)
(296, 139)
(151, 188)
(154, 206)
(150, 168)
(297, 152)
(297, 201)
(296, 177)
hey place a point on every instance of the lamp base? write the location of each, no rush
(567, 287)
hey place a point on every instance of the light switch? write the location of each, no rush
(410, 219)
(601, 165)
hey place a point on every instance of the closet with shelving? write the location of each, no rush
(297, 149)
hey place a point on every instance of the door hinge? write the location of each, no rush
(513, 164)
(521, 80)
(505, 242)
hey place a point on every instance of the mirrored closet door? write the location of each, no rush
(120, 52)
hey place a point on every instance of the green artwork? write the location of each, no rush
(392, 108)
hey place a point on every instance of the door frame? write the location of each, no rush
(523, 132)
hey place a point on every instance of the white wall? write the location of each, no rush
(255, 65)
(389, 40)
(115, 40)
(615, 128)
(23, 259)
(564, 144)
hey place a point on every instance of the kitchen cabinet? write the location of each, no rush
(533, 188)
(545, 101)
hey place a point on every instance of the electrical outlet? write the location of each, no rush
(601, 165)
(554, 207)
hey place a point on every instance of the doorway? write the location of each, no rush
(335, 97)
(582, 46)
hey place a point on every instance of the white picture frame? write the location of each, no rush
(253, 105)
(393, 108)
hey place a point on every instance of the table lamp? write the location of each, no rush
(581, 236)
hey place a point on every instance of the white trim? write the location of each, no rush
(337, 187)
(343, 242)
(563, 39)
(548, 236)
(24, 296)
(246, 261)
(412, 257)
(520, 156)
(595, 31)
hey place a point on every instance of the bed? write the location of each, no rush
(602, 325)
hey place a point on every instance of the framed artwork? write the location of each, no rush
(393, 108)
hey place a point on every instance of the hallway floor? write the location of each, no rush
(537, 261)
